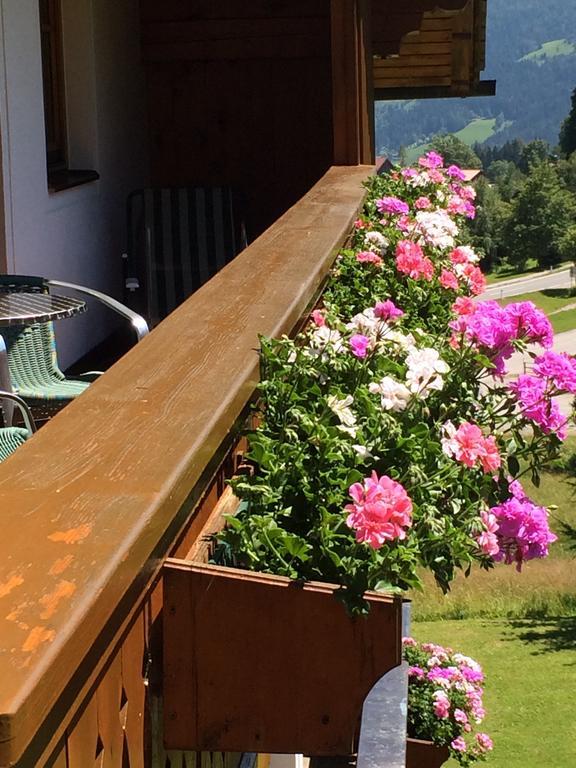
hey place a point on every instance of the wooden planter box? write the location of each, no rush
(257, 663)
(425, 754)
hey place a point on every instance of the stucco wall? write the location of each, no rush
(77, 234)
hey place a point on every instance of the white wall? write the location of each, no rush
(77, 234)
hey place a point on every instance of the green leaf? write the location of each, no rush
(513, 466)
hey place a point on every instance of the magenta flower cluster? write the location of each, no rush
(494, 329)
(448, 686)
(535, 403)
(516, 530)
(392, 205)
(553, 374)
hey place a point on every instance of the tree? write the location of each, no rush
(507, 177)
(533, 153)
(567, 137)
(454, 151)
(567, 244)
(541, 214)
(487, 228)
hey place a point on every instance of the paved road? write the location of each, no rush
(559, 279)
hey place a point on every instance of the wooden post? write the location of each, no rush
(352, 88)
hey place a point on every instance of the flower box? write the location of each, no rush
(259, 663)
(425, 754)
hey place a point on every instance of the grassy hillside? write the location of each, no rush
(477, 130)
(549, 50)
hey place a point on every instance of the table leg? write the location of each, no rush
(5, 384)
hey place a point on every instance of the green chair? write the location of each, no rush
(31, 349)
(12, 438)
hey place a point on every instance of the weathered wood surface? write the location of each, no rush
(94, 502)
(352, 91)
(259, 663)
(444, 48)
(240, 94)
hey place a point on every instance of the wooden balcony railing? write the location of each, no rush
(124, 477)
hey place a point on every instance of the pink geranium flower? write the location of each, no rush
(475, 279)
(560, 368)
(455, 172)
(468, 445)
(368, 257)
(448, 280)
(484, 742)
(441, 705)
(381, 510)
(488, 541)
(535, 403)
(459, 744)
(463, 306)
(411, 261)
(463, 254)
(318, 318)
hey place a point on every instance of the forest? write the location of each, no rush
(526, 197)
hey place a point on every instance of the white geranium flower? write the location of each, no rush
(394, 395)
(449, 445)
(342, 410)
(404, 340)
(376, 241)
(436, 228)
(369, 325)
(419, 180)
(323, 339)
(425, 369)
(363, 452)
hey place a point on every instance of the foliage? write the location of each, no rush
(533, 154)
(488, 227)
(567, 138)
(567, 172)
(567, 243)
(454, 151)
(445, 700)
(507, 178)
(541, 213)
(384, 433)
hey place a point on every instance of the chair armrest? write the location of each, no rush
(86, 376)
(138, 323)
(29, 422)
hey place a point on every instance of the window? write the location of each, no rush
(53, 81)
(60, 176)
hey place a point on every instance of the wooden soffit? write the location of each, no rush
(429, 48)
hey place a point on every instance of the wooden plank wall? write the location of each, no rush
(437, 47)
(240, 93)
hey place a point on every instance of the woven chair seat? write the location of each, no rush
(10, 439)
(34, 366)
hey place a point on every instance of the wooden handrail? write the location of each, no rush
(94, 502)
